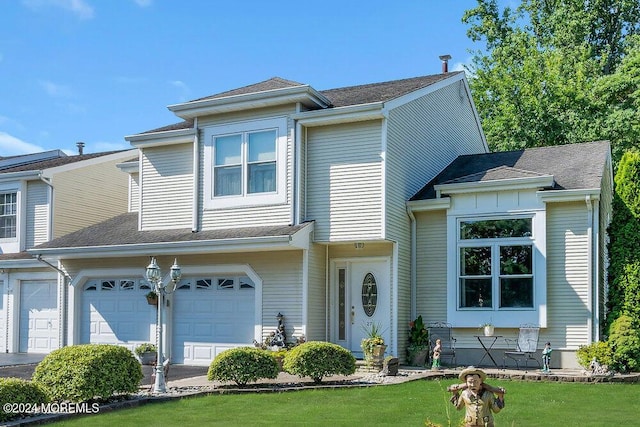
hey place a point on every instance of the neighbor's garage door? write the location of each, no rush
(115, 311)
(38, 316)
(211, 315)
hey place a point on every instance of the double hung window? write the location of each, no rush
(496, 264)
(8, 215)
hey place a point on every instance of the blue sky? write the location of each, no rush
(98, 70)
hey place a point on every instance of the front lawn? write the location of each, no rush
(408, 404)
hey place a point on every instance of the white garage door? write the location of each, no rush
(38, 316)
(115, 311)
(3, 321)
(211, 315)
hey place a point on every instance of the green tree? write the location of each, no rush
(537, 82)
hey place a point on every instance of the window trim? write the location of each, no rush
(279, 124)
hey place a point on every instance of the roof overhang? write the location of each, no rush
(157, 139)
(129, 167)
(304, 94)
(298, 240)
(528, 183)
(569, 195)
(429, 204)
(337, 115)
(20, 263)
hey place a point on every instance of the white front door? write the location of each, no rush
(38, 316)
(363, 299)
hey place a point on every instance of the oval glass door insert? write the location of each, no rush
(369, 294)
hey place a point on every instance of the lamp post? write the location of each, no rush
(154, 277)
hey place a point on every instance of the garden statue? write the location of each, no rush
(437, 350)
(546, 357)
(477, 397)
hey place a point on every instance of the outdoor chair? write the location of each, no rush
(442, 331)
(524, 348)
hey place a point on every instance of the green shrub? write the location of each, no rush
(624, 339)
(16, 390)
(317, 359)
(82, 372)
(243, 365)
(600, 350)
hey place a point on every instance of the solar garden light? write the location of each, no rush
(154, 276)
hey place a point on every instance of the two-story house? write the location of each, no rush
(44, 196)
(339, 209)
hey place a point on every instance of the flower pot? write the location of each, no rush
(148, 357)
(418, 357)
(488, 330)
(152, 300)
(376, 357)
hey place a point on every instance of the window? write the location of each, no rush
(247, 163)
(8, 215)
(496, 264)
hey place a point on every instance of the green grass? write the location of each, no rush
(408, 404)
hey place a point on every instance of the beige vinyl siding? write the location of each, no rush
(251, 215)
(567, 275)
(88, 195)
(167, 187)
(431, 266)
(37, 216)
(344, 181)
(134, 192)
(317, 294)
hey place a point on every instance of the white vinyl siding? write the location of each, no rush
(134, 192)
(344, 181)
(167, 187)
(88, 195)
(567, 275)
(37, 215)
(316, 294)
(431, 266)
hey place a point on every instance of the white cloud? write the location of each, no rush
(143, 3)
(183, 88)
(55, 90)
(78, 7)
(12, 146)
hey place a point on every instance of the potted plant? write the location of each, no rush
(373, 345)
(147, 353)
(488, 329)
(152, 298)
(418, 348)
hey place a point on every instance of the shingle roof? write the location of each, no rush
(339, 97)
(51, 163)
(123, 230)
(573, 166)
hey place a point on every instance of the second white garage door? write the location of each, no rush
(211, 315)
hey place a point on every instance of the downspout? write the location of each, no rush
(592, 323)
(413, 257)
(66, 280)
(195, 223)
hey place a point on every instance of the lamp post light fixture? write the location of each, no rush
(154, 276)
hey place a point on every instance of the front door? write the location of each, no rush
(363, 299)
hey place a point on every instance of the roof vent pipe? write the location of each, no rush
(80, 146)
(445, 63)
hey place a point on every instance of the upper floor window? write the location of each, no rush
(496, 264)
(8, 215)
(246, 163)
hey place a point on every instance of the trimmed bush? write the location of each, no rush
(82, 372)
(16, 390)
(600, 350)
(243, 365)
(318, 359)
(624, 339)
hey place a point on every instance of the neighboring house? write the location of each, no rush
(279, 198)
(44, 196)
(517, 238)
(274, 198)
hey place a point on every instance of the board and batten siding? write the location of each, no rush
(87, 195)
(317, 294)
(37, 217)
(431, 266)
(344, 181)
(248, 216)
(167, 187)
(567, 275)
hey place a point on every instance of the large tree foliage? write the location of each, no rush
(538, 80)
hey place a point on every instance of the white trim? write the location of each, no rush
(569, 195)
(348, 114)
(429, 204)
(158, 139)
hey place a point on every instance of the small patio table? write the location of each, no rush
(491, 340)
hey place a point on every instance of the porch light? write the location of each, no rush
(154, 276)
